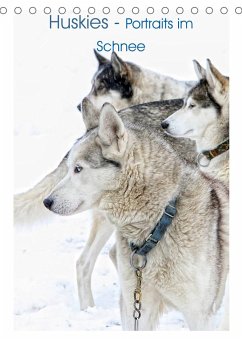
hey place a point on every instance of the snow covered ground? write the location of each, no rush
(45, 282)
(52, 74)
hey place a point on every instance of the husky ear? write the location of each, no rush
(112, 134)
(119, 66)
(218, 83)
(200, 71)
(101, 59)
(90, 114)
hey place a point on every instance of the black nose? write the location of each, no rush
(79, 107)
(164, 125)
(48, 203)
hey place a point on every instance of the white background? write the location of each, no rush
(52, 73)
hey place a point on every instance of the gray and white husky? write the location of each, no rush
(130, 172)
(204, 118)
(123, 84)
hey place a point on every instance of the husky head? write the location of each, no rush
(204, 108)
(111, 83)
(94, 163)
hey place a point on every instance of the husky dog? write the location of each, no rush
(204, 118)
(123, 84)
(115, 168)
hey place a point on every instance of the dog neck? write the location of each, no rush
(213, 136)
(220, 149)
(216, 167)
(148, 183)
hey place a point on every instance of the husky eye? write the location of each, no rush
(191, 106)
(101, 85)
(77, 169)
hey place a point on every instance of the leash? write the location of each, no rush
(211, 154)
(137, 292)
(138, 257)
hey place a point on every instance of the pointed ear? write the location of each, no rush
(214, 77)
(90, 114)
(119, 66)
(112, 134)
(101, 60)
(200, 71)
(218, 83)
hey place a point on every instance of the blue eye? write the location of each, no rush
(78, 169)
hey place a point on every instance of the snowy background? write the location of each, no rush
(53, 71)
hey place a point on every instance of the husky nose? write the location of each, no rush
(48, 203)
(164, 125)
(79, 107)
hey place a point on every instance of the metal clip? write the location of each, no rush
(174, 208)
(169, 215)
(132, 263)
(199, 157)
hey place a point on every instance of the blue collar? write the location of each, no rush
(158, 232)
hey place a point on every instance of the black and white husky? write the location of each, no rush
(126, 84)
(204, 118)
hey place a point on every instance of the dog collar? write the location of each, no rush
(220, 149)
(158, 232)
